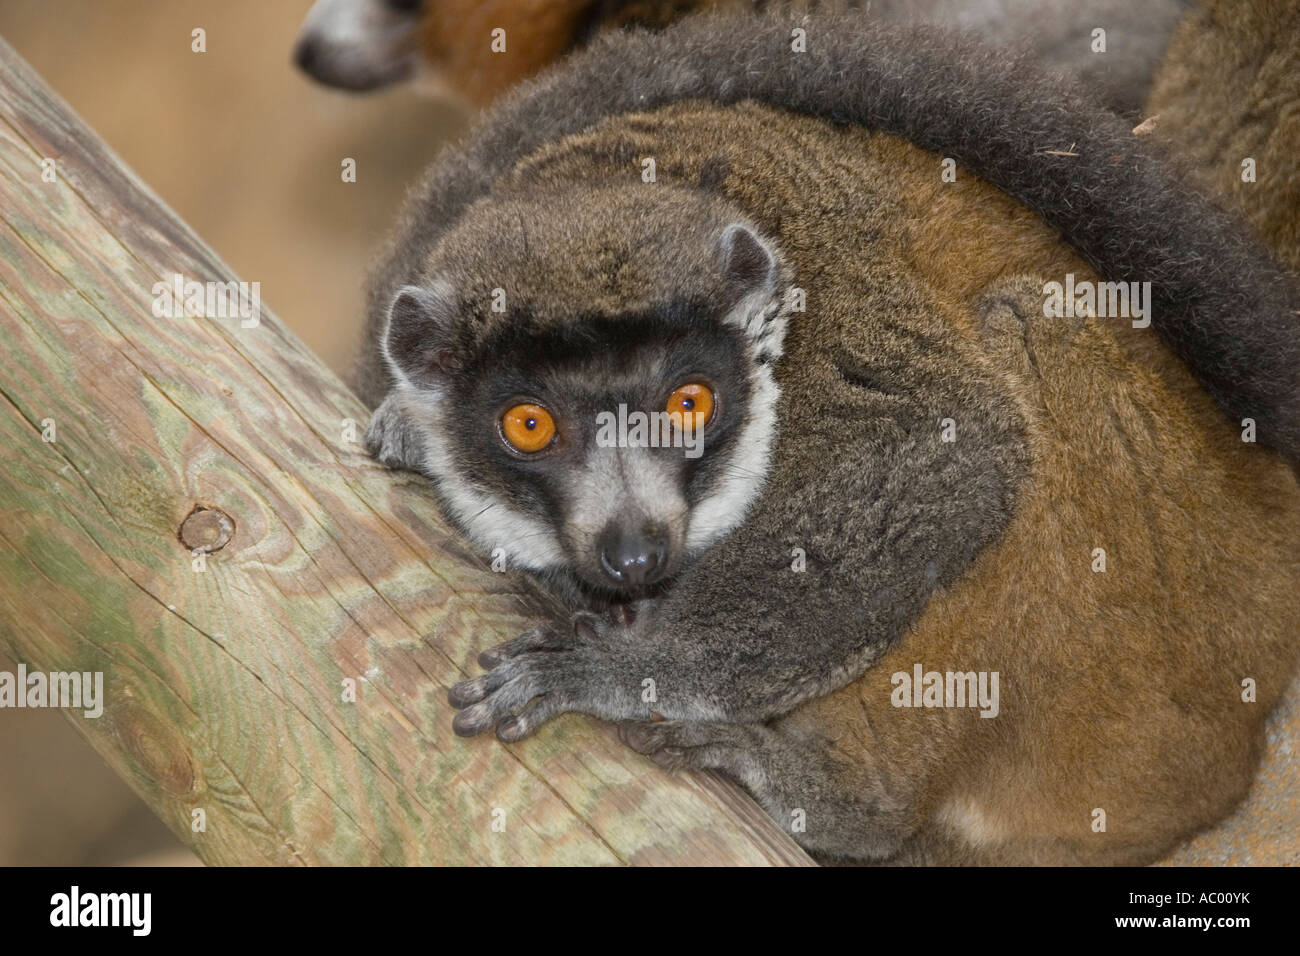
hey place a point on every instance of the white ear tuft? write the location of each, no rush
(752, 271)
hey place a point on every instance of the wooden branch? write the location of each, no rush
(182, 443)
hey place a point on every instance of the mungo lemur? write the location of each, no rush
(371, 44)
(918, 492)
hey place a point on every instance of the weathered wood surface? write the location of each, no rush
(224, 687)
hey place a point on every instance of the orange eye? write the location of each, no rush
(528, 427)
(691, 406)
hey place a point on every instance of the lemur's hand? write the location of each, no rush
(575, 666)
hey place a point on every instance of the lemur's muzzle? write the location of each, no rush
(633, 559)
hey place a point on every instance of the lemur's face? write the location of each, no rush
(615, 440)
(615, 445)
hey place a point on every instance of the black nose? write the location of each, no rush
(304, 54)
(633, 558)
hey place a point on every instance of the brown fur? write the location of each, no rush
(1229, 88)
(455, 35)
(1122, 689)
(456, 38)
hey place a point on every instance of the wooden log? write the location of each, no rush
(206, 530)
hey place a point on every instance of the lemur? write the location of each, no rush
(835, 265)
(450, 44)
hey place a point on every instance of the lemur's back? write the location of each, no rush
(1117, 667)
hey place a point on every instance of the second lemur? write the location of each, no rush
(477, 50)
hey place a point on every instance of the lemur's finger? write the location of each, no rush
(476, 688)
(526, 724)
(533, 639)
(476, 719)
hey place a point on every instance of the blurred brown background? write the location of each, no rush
(248, 151)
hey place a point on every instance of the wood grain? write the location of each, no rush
(224, 686)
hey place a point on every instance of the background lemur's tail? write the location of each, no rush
(1219, 298)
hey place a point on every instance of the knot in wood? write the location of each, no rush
(157, 750)
(206, 529)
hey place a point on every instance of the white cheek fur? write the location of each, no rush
(729, 501)
(721, 511)
(485, 519)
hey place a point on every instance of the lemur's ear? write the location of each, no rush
(751, 272)
(417, 343)
(745, 260)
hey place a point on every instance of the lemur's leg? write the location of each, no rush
(834, 807)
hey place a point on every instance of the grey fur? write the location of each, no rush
(366, 44)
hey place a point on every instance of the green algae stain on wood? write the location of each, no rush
(225, 664)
